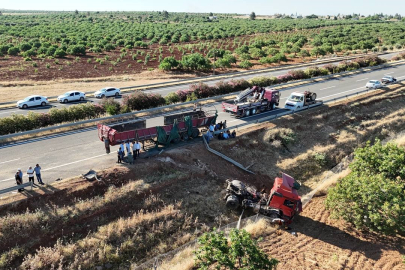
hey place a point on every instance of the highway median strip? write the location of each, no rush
(152, 111)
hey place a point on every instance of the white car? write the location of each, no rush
(374, 84)
(107, 92)
(32, 101)
(388, 79)
(72, 96)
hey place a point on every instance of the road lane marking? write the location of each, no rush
(400, 77)
(327, 88)
(389, 73)
(63, 165)
(9, 160)
(8, 112)
(362, 80)
(344, 92)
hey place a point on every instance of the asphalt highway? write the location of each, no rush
(163, 91)
(73, 153)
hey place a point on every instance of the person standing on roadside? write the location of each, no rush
(30, 173)
(18, 180)
(128, 147)
(137, 149)
(119, 156)
(20, 173)
(37, 170)
(122, 147)
(106, 144)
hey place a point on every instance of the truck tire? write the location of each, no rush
(247, 112)
(195, 133)
(185, 136)
(273, 106)
(254, 111)
(232, 202)
(313, 96)
(176, 140)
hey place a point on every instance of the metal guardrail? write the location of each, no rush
(6, 190)
(223, 156)
(228, 75)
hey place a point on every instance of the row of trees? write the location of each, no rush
(103, 33)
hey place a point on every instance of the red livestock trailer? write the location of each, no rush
(184, 126)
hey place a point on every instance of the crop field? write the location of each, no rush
(139, 211)
(51, 46)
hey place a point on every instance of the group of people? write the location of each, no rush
(30, 172)
(133, 151)
(222, 135)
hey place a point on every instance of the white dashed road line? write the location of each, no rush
(63, 165)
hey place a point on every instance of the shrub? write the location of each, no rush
(246, 64)
(59, 53)
(13, 51)
(140, 101)
(172, 98)
(169, 63)
(240, 252)
(183, 94)
(111, 106)
(222, 63)
(77, 50)
(202, 90)
(372, 196)
(298, 74)
(195, 62)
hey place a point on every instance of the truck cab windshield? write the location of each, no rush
(294, 98)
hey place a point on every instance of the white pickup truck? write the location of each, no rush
(298, 100)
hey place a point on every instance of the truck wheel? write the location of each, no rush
(232, 202)
(313, 96)
(247, 112)
(254, 111)
(273, 106)
(185, 136)
(176, 140)
(195, 133)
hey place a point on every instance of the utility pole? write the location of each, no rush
(215, 59)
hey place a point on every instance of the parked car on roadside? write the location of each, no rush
(107, 92)
(32, 101)
(71, 96)
(388, 79)
(373, 84)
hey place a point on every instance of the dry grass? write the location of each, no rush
(184, 260)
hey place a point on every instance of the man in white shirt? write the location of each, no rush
(30, 173)
(128, 146)
(137, 149)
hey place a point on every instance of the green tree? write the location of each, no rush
(168, 63)
(13, 51)
(241, 253)
(252, 16)
(195, 62)
(372, 196)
